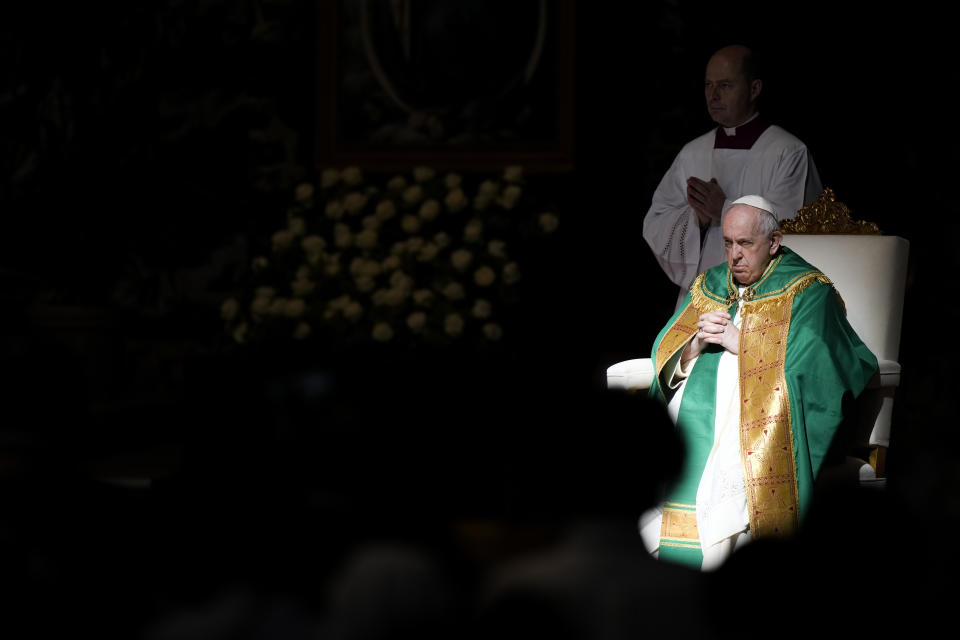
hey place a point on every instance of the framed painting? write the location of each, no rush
(467, 85)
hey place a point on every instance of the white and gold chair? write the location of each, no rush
(869, 271)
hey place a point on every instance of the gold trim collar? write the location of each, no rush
(749, 292)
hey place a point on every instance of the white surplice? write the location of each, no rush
(777, 167)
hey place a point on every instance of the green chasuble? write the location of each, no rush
(798, 358)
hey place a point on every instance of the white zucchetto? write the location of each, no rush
(756, 201)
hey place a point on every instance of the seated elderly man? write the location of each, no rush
(753, 368)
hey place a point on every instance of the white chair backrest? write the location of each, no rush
(869, 271)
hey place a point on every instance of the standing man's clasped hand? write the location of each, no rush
(706, 199)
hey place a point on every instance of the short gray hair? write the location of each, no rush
(766, 223)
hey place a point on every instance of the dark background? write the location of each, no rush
(145, 143)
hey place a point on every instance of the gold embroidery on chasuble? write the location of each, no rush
(766, 434)
(677, 336)
(685, 326)
(678, 528)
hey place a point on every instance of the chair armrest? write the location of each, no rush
(630, 375)
(889, 372)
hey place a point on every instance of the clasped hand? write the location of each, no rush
(714, 327)
(706, 199)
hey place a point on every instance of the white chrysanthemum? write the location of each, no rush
(423, 297)
(401, 280)
(302, 287)
(497, 248)
(422, 174)
(461, 258)
(301, 331)
(367, 267)
(548, 222)
(329, 177)
(488, 188)
(453, 291)
(410, 223)
(260, 307)
(481, 308)
(390, 263)
(452, 180)
(430, 209)
(393, 297)
(399, 295)
(353, 310)
(303, 192)
(240, 333)
(294, 307)
(278, 306)
(366, 239)
(441, 239)
(416, 321)
(313, 243)
(342, 237)
(352, 176)
(510, 196)
(428, 252)
(364, 284)
(473, 231)
(382, 332)
(484, 276)
(297, 225)
(354, 202)
(487, 193)
(259, 263)
(339, 303)
(264, 292)
(370, 222)
(482, 202)
(511, 273)
(281, 240)
(333, 210)
(413, 194)
(355, 265)
(331, 266)
(229, 309)
(453, 324)
(414, 243)
(385, 210)
(455, 200)
(492, 331)
(397, 183)
(513, 173)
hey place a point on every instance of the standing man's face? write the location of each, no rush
(731, 99)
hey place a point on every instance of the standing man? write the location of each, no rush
(744, 154)
(754, 368)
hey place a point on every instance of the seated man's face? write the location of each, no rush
(749, 250)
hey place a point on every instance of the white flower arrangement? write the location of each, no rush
(425, 257)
